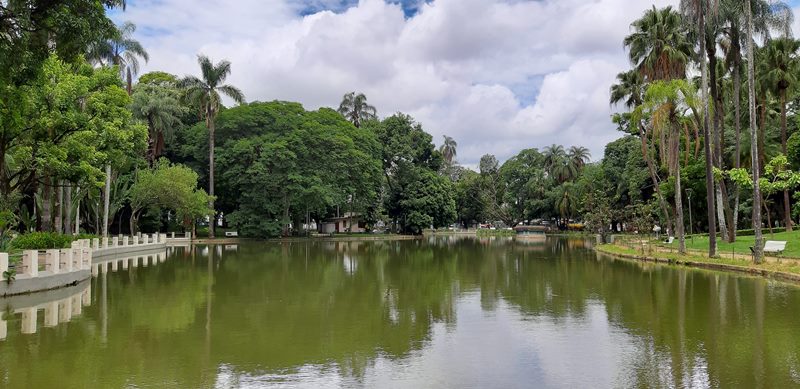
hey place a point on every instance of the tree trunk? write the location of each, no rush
(654, 176)
(715, 97)
(678, 194)
(68, 208)
(210, 124)
(758, 248)
(712, 232)
(106, 200)
(737, 92)
(47, 203)
(59, 207)
(787, 207)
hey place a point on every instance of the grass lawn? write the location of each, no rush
(743, 243)
(788, 266)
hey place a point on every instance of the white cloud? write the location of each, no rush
(454, 65)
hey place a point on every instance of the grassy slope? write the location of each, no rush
(743, 243)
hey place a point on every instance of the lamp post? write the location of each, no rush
(689, 195)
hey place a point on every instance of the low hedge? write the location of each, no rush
(45, 240)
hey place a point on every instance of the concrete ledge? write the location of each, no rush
(103, 253)
(778, 275)
(37, 299)
(24, 285)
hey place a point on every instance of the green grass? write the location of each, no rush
(788, 266)
(743, 243)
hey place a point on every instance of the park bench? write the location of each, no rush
(772, 247)
(669, 240)
(231, 233)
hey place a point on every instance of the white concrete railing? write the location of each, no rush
(41, 263)
(134, 261)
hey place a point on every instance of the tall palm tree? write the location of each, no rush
(758, 249)
(121, 50)
(663, 104)
(660, 49)
(778, 72)
(448, 149)
(659, 46)
(696, 12)
(354, 107)
(205, 93)
(630, 89)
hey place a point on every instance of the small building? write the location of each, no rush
(349, 222)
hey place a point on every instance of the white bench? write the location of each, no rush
(231, 233)
(773, 247)
(669, 240)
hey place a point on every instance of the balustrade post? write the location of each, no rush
(124, 240)
(144, 239)
(188, 235)
(105, 242)
(173, 235)
(3, 265)
(65, 260)
(3, 328)
(135, 240)
(30, 263)
(86, 258)
(51, 260)
(114, 241)
(96, 243)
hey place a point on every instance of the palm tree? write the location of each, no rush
(160, 108)
(121, 50)
(579, 156)
(779, 73)
(659, 46)
(555, 158)
(630, 89)
(696, 11)
(758, 249)
(354, 107)
(448, 149)
(205, 93)
(660, 49)
(663, 103)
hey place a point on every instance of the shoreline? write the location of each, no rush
(365, 238)
(693, 262)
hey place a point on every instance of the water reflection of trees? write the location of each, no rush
(278, 308)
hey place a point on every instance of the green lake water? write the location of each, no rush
(433, 313)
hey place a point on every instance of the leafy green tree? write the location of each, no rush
(205, 93)
(355, 108)
(168, 186)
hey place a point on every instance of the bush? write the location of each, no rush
(45, 240)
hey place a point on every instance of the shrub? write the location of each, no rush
(45, 240)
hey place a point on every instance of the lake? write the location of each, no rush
(445, 312)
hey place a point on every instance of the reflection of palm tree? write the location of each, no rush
(354, 107)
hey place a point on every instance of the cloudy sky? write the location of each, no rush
(496, 75)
